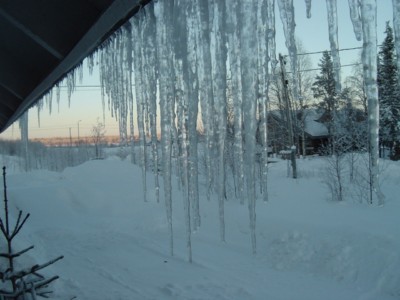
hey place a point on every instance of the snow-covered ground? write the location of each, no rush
(116, 246)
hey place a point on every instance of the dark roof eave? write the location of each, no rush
(119, 12)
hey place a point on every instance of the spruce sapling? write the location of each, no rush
(24, 283)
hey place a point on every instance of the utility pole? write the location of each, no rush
(78, 132)
(70, 137)
(288, 116)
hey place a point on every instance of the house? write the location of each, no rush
(315, 132)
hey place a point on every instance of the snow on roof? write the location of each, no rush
(312, 126)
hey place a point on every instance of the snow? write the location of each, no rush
(117, 247)
(312, 126)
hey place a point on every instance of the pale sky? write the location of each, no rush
(86, 105)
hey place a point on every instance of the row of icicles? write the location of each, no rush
(165, 75)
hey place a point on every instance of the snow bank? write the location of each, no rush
(116, 245)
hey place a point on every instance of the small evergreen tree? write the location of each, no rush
(324, 89)
(388, 93)
(19, 283)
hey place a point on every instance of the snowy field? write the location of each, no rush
(116, 246)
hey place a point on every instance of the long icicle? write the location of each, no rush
(205, 88)
(396, 29)
(218, 59)
(271, 35)
(286, 10)
(150, 60)
(182, 100)
(163, 10)
(331, 7)
(369, 59)
(308, 8)
(263, 60)
(138, 65)
(184, 89)
(356, 18)
(249, 89)
(234, 59)
(193, 93)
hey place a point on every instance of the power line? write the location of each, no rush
(339, 50)
(317, 69)
(96, 87)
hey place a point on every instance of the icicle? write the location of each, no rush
(262, 37)
(145, 88)
(58, 96)
(39, 106)
(90, 62)
(271, 35)
(131, 120)
(249, 89)
(218, 61)
(235, 69)
(114, 79)
(23, 125)
(356, 18)
(140, 101)
(308, 7)
(149, 47)
(286, 9)
(182, 100)
(369, 58)
(163, 10)
(49, 100)
(205, 88)
(396, 29)
(122, 88)
(79, 70)
(186, 101)
(104, 75)
(331, 7)
(129, 87)
(193, 94)
(71, 83)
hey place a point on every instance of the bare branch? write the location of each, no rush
(17, 229)
(27, 271)
(3, 229)
(13, 255)
(46, 282)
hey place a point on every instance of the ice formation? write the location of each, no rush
(174, 57)
(356, 18)
(249, 91)
(396, 29)
(331, 7)
(286, 10)
(369, 59)
(308, 5)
